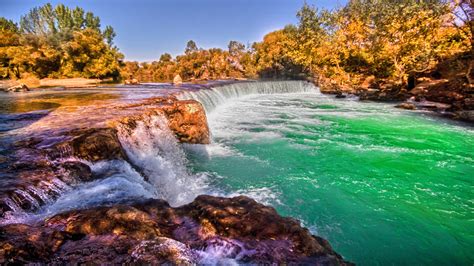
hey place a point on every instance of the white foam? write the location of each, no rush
(153, 148)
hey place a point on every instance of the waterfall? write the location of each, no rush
(153, 148)
(156, 166)
(211, 98)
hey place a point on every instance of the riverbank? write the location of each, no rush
(35, 83)
(447, 90)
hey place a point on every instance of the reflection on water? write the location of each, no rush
(27, 102)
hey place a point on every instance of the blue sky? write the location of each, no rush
(147, 28)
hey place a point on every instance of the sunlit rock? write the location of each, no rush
(407, 106)
(222, 229)
(187, 119)
(177, 80)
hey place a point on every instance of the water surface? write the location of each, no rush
(383, 185)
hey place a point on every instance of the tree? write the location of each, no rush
(91, 21)
(9, 40)
(464, 11)
(109, 35)
(236, 48)
(58, 42)
(8, 25)
(164, 58)
(87, 54)
(273, 55)
(191, 47)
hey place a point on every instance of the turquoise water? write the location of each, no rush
(383, 185)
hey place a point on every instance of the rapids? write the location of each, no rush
(383, 185)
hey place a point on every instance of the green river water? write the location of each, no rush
(384, 186)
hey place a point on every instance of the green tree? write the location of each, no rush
(191, 47)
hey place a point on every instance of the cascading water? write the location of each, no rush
(360, 174)
(154, 149)
(383, 185)
(211, 98)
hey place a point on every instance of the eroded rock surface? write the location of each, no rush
(154, 232)
(39, 169)
(188, 121)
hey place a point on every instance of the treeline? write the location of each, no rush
(361, 42)
(196, 64)
(58, 42)
(368, 40)
(365, 39)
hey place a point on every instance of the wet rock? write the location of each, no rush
(407, 106)
(187, 119)
(131, 82)
(153, 232)
(96, 144)
(76, 171)
(467, 115)
(17, 88)
(383, 92)
(436, 106)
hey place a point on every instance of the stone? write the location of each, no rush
(407, 106)
(187, 119)
(466, 115)
(177, 80)
(151, 231)
(96, 144)
(18, 88)
(131, 82)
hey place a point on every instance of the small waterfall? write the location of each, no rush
(211, 98)
(153, 148)
(157, 166)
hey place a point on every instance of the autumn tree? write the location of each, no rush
(274, 55)
(55, 41)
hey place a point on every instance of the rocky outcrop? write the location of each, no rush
(187, 119)
(36, 167)
(154, 232)
(95, 144)
(131, 82)
(465, 115)
(407, 106)
(177, 80)
(16, 88)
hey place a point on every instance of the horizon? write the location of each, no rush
(143, 35)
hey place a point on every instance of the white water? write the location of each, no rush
(211, 98)
(161, 160)
(153, 149)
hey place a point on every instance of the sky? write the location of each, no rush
(147, 28)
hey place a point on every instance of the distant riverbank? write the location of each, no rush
(34, 83)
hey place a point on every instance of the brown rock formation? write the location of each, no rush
(407, 106)
(177, 80)
(153, 232)
(188, 121)
(31, 164)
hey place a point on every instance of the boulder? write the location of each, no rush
(131, 82)
(466, 115)
(18, 88)
(177, 80)
(407, 106)
(94, 144)
(187, 119)
(153, 232)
